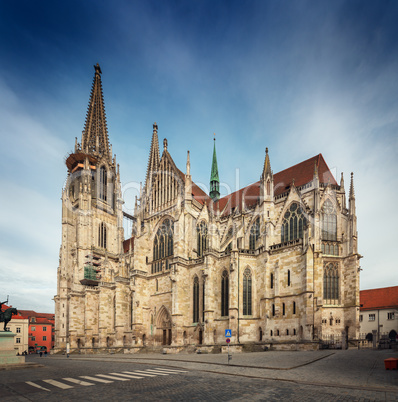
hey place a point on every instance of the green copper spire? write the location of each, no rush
(214, 180)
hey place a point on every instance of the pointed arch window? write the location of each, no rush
(254, 234)
(195, 299)
(329, 221)
(203, 299)
(201, 235)
(293, 223)
(331, 289)
(247, 292)
(163, 246)
(224, 294)
(102, 235)
(103, 183)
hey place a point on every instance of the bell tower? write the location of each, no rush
(92, 230)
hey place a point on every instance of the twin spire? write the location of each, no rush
(95, 138)
(214, 179)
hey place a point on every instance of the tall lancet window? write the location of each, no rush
(163, 247)
(195, 299)
(329, 221)
(247, 292)
(224, 294)
(293, 223)
(103, 183)
(102, 235)
(254, 234)
(331, 289)
(201, 235)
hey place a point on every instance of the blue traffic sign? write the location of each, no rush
(228, 333)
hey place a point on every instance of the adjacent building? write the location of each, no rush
(379, 313)
(41, 330)
(275, 262)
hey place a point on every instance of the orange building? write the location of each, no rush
(41, 330)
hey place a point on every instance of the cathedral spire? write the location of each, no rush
(214, 180)
(153, 162)
(95, 134)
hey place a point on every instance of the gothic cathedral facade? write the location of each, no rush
(275, 262)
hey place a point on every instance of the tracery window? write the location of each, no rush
(102, 235)
(224, 294)
(329, 221)
(247, 292)
(201, 235)
(103, 183)
(203, 299)
(331, 283)
(163, 247)
(254, 234)
(195, 299)
(293, 223)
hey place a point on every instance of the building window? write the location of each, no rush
(288, 277)
(224, 294)
(390, 316)
(163, 247)
(283, 308)
(102, 235)
(44, 338)
(287, 332)
(329, 248)
(331, 283)
(273, 310)
(203, 299)
(33, 329)
(18, 330)
(329, 221)
(33, 319)
(17, 340)
(201, 235)
(293, 223)
(372, 317)
(272, 281)
(33, 338)
(103, 183)
(247, 292)
(44, 328)
(254, 234)
(294, 331)
(360, 318)
(294, 307)
(196, 299)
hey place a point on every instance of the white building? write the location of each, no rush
(379, 313)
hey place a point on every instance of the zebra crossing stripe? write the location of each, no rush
(86, 377)
(156, 372)
(58, 384)
(111, 377)
(76, 381)
(139, 372)
(126, 375)
(171, 370)
(37, 385)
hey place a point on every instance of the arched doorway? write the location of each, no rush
(393, 335)
(163, 326)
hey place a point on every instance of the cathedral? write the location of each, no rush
(275, 262)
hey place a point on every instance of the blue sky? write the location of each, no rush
(298, 77)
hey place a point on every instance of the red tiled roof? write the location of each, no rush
(31, 313)
(127, 243)
(377, 299)
(302, 173)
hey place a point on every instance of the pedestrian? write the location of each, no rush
(45, 353)
(41, 353)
